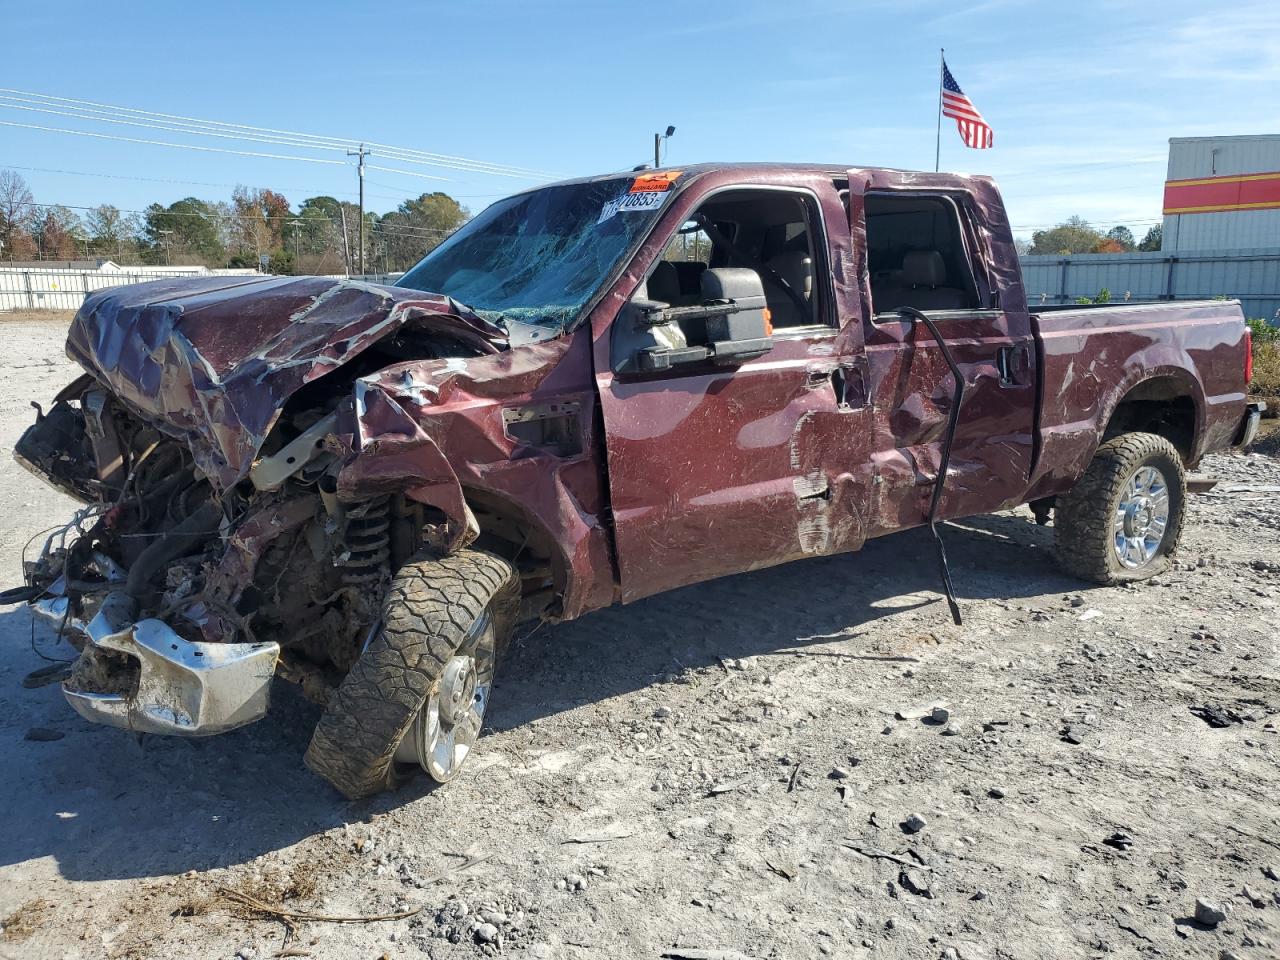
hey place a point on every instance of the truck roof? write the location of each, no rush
(746, 169)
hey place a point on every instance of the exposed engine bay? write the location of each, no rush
(277, 561)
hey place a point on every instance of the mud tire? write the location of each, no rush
(1084, 517)
(431, 604)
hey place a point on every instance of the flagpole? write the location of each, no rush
(937, 147)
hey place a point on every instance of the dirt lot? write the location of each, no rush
(719, 770)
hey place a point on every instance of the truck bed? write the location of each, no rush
(1180, 360)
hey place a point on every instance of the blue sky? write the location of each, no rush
(1083, 96)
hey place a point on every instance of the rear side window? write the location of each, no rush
(916, 254)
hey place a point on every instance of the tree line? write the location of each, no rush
(1075, 235)
(320, 235)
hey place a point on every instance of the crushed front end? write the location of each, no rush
(235, 521)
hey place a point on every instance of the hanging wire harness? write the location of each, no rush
(953, 418)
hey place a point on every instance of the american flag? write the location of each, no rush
(973, 129)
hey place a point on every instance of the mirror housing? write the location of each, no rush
(733, 315)
(738, 327)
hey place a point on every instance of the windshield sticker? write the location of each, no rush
(631, 203)
(655, 182)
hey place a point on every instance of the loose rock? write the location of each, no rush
(917, 882)
(914, 823)
(1209, 913)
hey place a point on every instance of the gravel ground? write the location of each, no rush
(721, 769)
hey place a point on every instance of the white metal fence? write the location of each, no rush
(66, 289)
(63, 289)
(1250, 276)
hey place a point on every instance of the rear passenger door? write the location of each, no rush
(942, 245)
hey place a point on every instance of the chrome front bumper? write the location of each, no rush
(185, 688)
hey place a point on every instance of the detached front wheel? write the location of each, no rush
(417, 696)
(1123, 519)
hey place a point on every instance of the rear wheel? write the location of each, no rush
(1123, 519)
(417, 696)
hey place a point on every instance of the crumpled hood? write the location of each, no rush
(212, 360)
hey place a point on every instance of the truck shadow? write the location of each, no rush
(105, 804)
(813, 602)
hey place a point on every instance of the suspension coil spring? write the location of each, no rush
(367, 538)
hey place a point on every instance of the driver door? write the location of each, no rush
(715, 470)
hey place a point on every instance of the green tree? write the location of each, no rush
(417, 226)
(112, 234)
(1123, 236)
(187, 231)
(319, 245)
(1074, 235)
(1153, 240)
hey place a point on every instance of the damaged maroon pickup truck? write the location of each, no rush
(592, 392)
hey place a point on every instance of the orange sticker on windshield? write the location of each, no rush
(655, 182)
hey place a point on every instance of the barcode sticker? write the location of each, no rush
(631, 203)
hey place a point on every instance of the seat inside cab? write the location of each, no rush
(916, 254)
(768, 231)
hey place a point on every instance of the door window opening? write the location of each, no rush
(769, 231)
(916, 254)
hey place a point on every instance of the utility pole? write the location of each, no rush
(297, 225)
(361, 154)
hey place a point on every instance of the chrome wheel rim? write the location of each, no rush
(448, 725)
(1142, 516)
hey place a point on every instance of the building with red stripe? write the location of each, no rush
(1222, 193)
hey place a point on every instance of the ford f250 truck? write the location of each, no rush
(593, 392)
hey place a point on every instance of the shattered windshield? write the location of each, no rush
(536, 258)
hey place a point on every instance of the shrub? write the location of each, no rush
(1263, 332)
(1266, 359)
(1104, 296)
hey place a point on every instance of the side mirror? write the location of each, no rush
(738, 327)
(730, 327)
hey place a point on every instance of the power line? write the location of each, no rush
(314, 191)
(187, 183)
(177, 120)
(1136, 221)
(169, 129)
(1087, 167)
(406, 173)
(162, 143)
(93, 111)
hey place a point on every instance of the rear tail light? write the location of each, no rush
(1248, 356)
